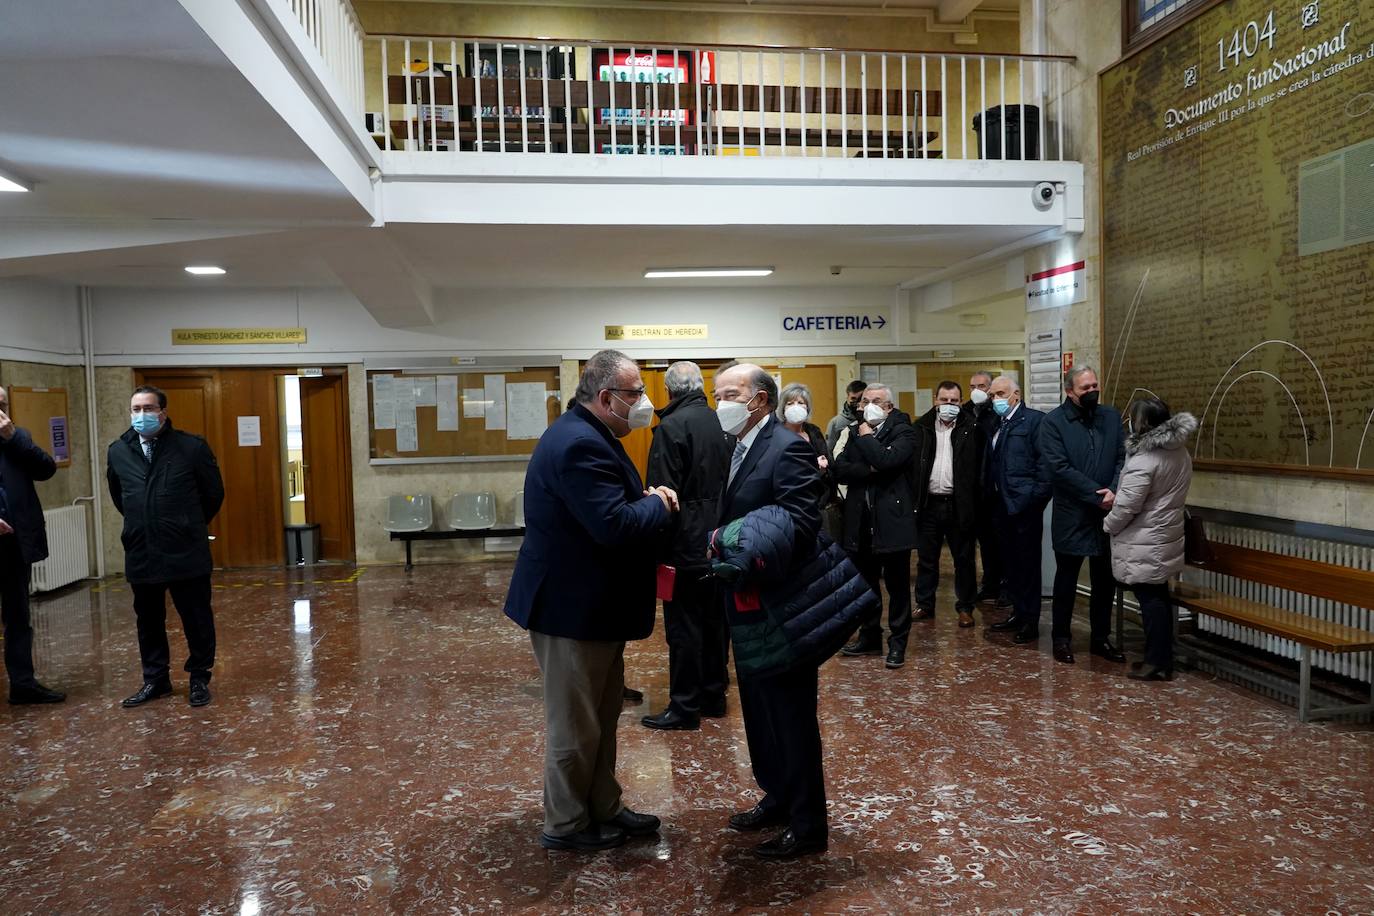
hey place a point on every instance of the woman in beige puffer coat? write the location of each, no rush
(1146, 523)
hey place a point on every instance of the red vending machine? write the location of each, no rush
(654, 125)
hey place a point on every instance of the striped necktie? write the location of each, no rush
(737, 459)
(148, 450)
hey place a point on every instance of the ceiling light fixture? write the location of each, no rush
(12, 185)
(205, 270)
(665, 273)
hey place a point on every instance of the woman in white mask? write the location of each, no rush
(794, 412)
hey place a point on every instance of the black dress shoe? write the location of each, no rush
(896, 658)
(757, 818)
(634, 696)
(34, 693)
(200, 693)
(1151, 673)
(1025, 635)
(1006, 626)
(151, 690)
(634, 823)
(787, 845)
(595, 837)
(1063, 652)
(671, 720)
(1108, 651)
(857, 647)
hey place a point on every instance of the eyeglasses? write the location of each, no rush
(142, 409)
(638, 391)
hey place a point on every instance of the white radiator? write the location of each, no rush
(69, 557)
(1355, 665)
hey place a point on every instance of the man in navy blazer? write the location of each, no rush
(584, 583)
(23, 542)
(1016, 481)
(772, 466)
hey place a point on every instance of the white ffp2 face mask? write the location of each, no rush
(641, 412)
(978, 396)
(796, 413)
(732, 415)
(873, 414)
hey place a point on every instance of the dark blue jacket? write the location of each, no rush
(1082, 454)
(807, 606)
(586, 569)
(1015, 473)
(21, 463)
(778, 470)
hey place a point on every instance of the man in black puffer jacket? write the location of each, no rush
(691, 455)
(166, 484)
(880, 517)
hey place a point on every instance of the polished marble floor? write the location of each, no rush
(374, 747)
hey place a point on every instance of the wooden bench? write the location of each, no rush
(1342, 584)
(449, 534)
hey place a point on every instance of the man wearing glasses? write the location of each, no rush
(166, 483)
(584, 583)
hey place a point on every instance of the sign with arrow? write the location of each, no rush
(838, 324)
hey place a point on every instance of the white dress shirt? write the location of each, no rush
(1011, 413)
(942, 472)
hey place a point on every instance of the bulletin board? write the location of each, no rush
(43, 412)
(499, 414)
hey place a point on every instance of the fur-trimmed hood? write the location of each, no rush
(1172, 433)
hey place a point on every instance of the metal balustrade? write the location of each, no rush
(450, 95)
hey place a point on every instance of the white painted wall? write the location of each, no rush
(39, 322)
(133, 326)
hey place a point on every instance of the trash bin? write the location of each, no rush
(1003, 125)
(302, 545)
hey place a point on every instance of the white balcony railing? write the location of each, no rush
(457, 95)
(333, 28)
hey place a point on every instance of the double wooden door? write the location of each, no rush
(249, 530)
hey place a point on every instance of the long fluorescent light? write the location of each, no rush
(8, 184)
(204, 270)
(664, 273)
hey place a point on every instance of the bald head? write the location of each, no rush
(1004, 386)
(749, 385)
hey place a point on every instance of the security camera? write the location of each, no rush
(835, 270)
(1042, 195)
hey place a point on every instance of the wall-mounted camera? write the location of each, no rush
(1042, 195)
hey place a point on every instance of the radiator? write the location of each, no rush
(69, 557)
(1355, 665)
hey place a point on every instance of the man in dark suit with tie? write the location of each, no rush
(770, 466)
(1020, 491)
(584, 583)
(23, 542)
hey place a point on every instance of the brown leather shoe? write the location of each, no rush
(965, 620)
(924, 613)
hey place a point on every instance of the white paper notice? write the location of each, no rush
(446, 397)
(925, 400)
(383, 403)
(407, 429)
(906, 378)
(250, 431)
(474, 404)
(425, 395)
(494, 391)
(887, 375)
(869, 374)
(527, 410)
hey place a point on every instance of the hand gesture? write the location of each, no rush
(5, 528)
(6, 426)
(822, 462)
(1108, 498)
(865, 429)
(667, 494)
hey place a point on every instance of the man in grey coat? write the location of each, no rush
(1083, 446)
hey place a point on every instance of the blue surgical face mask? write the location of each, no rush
(1001, 406)
(145, 424)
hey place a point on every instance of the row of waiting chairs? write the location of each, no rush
(466, 512)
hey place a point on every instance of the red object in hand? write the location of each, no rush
(667, 578)
(747, 600)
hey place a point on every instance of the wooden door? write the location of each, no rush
(193, 407)
(327, 463)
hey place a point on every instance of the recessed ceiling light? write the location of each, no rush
(11, 185)
(205, 270)
(664, 273)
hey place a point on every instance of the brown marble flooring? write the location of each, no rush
(374, 747)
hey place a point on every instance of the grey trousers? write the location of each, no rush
(583, 685)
